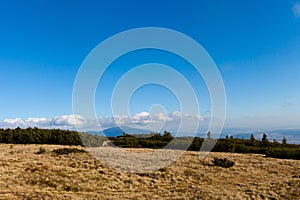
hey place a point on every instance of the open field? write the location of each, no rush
(27, 175)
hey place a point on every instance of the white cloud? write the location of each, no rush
(69, 120)
(158, 122)
(30, 122)
(296, 10)
(11, 123)
(37, 122)
(64, 122)
(142, 118)
(145, 118)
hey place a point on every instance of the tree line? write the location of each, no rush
(39, 136)
(235, 145)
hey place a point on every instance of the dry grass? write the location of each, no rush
(27, 175)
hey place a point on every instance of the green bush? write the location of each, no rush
(222, 162)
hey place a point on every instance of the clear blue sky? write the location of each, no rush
(255, 44)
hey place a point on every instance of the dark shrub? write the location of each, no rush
(222, 162)
(68, 151)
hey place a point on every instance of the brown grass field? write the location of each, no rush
(27, 175)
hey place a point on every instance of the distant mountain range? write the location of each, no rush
(292, 135)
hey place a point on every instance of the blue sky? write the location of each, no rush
(255, 45)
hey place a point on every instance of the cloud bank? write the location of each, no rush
(144, 120)
(65, 122)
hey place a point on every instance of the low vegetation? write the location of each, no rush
(65, 151)
(222, 162)
(284, 153)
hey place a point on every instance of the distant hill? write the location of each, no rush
(292, 135)
(117, 131)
